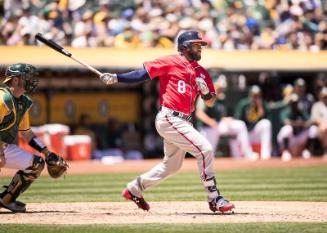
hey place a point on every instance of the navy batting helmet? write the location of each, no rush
(188, 37)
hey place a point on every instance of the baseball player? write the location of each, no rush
(297, 129)
(14, 117)
(255, 113)
(214, 123)
(319, 117)
(181, 80)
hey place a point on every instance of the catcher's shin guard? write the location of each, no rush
(20, 183)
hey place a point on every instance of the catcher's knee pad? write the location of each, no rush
(22, 180)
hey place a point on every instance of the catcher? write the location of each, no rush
(14, 106)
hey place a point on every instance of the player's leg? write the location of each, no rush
(312, 143)
(300, 141)
(212, 134)
(29, 168)
(201, 150)
(238, 128)
(297, 143)
(235, 148)
(224, 129)
(323, 137)
(171, 163)
(263, 131)
(190, 140)
(285, 137)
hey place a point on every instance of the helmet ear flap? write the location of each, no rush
(181, 47)
(184, 45)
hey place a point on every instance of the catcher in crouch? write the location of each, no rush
(14, 117)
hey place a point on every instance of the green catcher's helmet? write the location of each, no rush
(26, 72)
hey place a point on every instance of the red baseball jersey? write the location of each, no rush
(178, 89)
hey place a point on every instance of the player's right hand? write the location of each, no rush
(108, 78)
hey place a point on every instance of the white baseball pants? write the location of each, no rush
(239, 144)
(296, 140)
(17, 158)
(262, 133)
(179, 137)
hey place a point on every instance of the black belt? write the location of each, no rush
(181, 115)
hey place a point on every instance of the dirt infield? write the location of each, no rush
(169, 212)
(166, 212)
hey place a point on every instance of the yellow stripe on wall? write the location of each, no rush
(66, 108)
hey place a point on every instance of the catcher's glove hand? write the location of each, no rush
(56, 165)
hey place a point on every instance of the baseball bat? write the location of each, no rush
(63, 51)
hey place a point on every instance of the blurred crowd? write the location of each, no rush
(225, 24)
(295, 126)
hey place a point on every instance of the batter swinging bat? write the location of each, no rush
(61, 50)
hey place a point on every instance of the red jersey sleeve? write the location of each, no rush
(157, 67)
(206, 76)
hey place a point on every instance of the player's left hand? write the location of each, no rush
(202, 86)
(108, 78)
(56, 165)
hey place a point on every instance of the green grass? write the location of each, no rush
(168, 228)
(284, 184)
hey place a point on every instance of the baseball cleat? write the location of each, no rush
(19, 203)
(139, 201)
(16, 207)
(221, 204)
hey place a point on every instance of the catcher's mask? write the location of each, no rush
(185, 40)
(26, 72)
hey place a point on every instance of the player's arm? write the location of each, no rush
(25, 128)
(134, 76)
(35, 142)
(56, 165)
(29, 136)
(285, 119)
(4, 111)
(151, 69)
(202, 116)
(211, 101)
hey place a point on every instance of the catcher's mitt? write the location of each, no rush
(56, 165)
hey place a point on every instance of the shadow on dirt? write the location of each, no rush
(209, 214)
(39, 212)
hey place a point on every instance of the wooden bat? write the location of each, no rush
(63, 51)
